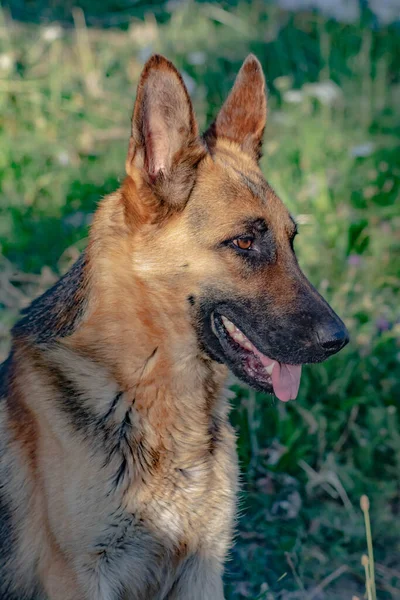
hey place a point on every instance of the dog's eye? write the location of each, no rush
(244, 243)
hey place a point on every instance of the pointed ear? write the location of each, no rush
(243, 116)
(164, 145)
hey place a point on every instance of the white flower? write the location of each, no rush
(293, 96)
(327, 92)
(63, 158)
(283, 82)
(52, 33)
(6, 62)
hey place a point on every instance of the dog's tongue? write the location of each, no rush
(286, 381)
(285, 378)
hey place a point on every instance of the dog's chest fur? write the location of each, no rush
(150, 479)
(174, 513)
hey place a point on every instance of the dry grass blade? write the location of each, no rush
(91, 76)
(327, 581)
(365, 564)
(364, 503)
(295, 575)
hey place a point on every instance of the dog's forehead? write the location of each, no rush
(230, 184)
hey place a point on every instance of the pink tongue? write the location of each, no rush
(286, 381)
(285, 378)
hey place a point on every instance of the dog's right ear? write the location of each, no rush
(164, 148)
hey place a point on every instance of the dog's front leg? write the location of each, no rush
(199, 580)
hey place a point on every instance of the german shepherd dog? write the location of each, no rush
(118, 467)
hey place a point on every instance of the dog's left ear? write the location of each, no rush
(243, 116)
(164, 147)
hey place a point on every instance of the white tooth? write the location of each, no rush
(270, 368)
(247, 345)
(238, 335)
(228, 324)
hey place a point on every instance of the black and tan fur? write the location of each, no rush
(118, 471)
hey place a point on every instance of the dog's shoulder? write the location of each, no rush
(58, 311)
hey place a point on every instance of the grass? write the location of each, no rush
(331, 152)
(368, 561)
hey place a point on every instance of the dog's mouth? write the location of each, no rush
(262, 371)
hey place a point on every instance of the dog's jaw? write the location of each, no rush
(281, 379)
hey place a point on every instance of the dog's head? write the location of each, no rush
(213, 242)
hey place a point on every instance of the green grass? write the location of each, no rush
(64, 125)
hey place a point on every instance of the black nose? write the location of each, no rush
(332, 337)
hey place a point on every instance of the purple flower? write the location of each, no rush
(354, 260)
(382, 324)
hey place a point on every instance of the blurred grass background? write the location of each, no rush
(67, 85)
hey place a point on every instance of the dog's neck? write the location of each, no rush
(110, 341)
(129, 369)
(152, 355)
